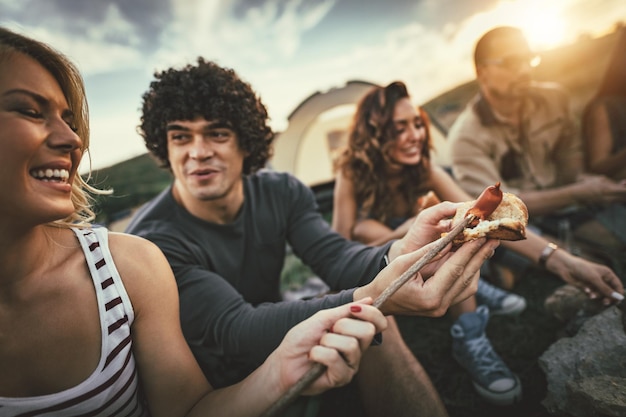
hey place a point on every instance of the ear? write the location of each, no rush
(480, 72)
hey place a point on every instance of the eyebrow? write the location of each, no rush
(209, 125)
(41, 100)
(407, 121)
(174, 126)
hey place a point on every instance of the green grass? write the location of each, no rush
(294, 273)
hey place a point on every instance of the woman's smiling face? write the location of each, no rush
(39, 150)
(410, 132)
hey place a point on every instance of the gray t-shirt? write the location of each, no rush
(228, 276)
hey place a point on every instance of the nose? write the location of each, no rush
(200, 149)
(63, 137)
(415, 133)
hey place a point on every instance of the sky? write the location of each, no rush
(286, 49)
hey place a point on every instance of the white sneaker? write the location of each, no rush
(498, 300)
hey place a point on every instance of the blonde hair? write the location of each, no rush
(73, 87)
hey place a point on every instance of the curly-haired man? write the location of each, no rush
(224, 225)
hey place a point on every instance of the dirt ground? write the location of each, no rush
(520, 341)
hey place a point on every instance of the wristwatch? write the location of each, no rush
(546, 253)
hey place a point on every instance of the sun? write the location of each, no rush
(543, 30)
(542, 21)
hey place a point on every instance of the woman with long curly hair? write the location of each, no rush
(385, 177)
(391, 187)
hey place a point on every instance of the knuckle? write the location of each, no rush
(469, 281)
(457, 270)
(435, 308)
(440, 311)
(353, 344)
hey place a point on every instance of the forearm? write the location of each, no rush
(392, 235)
(223, 329)
(531, 248)
(541, 252)
(248, 398)
(254, 332)
(374, 233)
(340, 263)
(396, 249)
(542, 202)
(613, 166)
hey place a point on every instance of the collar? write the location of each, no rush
(489, 118)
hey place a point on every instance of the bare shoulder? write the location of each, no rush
(125, 247)
(139, 261)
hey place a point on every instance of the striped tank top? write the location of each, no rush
(113, 388)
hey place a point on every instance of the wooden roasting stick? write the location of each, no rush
(431, 250)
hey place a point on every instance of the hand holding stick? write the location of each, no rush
(318, 369)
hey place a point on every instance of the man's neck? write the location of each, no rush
(506, 110)
(221, 210)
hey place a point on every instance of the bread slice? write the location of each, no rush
(507, 222)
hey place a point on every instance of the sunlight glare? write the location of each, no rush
(544, 30)
(542, 22)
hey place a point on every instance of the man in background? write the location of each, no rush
(522, 134)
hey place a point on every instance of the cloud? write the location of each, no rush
(412, 53)
(431, 60)
(287, 49)
(109, 44)
(9, 7)
(239, 34)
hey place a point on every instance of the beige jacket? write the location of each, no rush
(544, 151)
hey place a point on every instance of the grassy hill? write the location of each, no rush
(133, 182)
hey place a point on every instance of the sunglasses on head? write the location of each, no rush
(515, 61)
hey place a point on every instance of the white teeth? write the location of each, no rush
(51, 174)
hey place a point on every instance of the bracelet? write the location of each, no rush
(546, 253)
(384, 262)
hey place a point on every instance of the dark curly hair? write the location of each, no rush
(364, 160)
(215, 93)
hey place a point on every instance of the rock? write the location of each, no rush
(586, 374)
(599, 396)
(567, 302)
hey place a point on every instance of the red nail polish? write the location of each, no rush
(355, 308)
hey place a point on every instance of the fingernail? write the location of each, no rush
(617, 296)
(355, 308)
